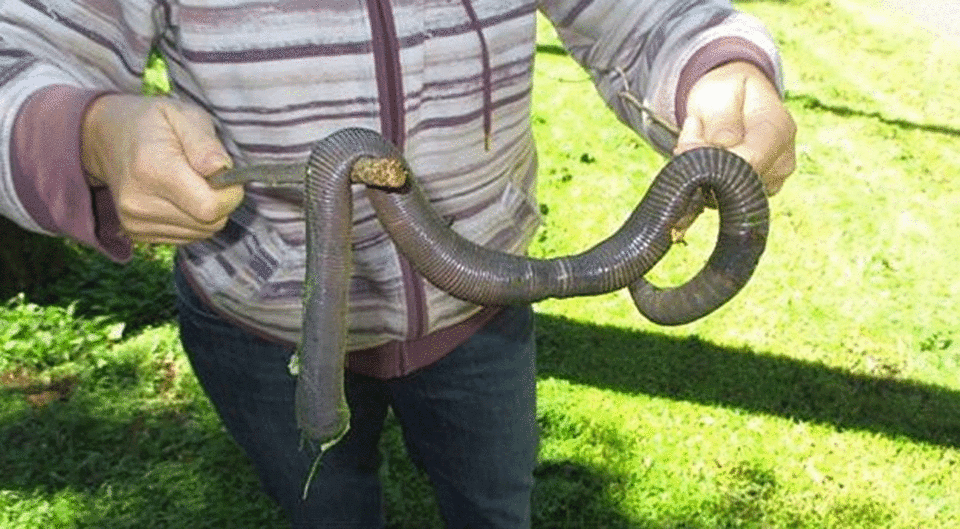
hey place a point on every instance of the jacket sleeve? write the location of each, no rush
(55, 59)
(655, 50)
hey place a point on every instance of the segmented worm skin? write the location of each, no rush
(744, 226)
(488, 277)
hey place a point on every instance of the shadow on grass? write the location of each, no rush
(570, 495)
(138, 293)
(170, 467)
(85, 463)
(813, 103)
(693, 370)
(551, 49)
(82, 463)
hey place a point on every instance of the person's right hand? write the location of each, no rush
(155, 154)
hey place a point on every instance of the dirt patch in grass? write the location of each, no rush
(37, 391)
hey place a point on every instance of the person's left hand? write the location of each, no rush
(736, 107)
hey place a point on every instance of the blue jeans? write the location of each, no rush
(468, 421)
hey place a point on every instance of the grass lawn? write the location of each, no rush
(826, 395)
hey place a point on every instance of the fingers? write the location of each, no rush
(155, 220)
(718, 116)
(770, 154)
(780, 170)
(198, 138)
(192, 201)
(737, 108)
(769, 144)
(154, 155)
(198, 154)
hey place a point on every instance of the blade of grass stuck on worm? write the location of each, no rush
(324, 447)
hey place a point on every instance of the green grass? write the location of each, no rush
(826, 395)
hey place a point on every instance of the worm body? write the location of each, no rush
(480, 275)
(321, 407)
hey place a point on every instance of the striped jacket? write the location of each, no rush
(449, 81)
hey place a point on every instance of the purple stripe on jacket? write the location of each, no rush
(49, 178)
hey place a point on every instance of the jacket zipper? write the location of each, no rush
(386, 54)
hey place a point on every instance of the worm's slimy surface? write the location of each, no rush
(489, 277)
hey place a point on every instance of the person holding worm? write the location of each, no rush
(83, 155)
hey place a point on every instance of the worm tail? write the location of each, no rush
(321, 406)
(744, 226)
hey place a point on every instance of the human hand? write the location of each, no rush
(736, 107)
(154, 154)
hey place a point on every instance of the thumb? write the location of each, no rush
(198, 139)
(691, 135)
(202, 155)
(721, 116)
(715, 109)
